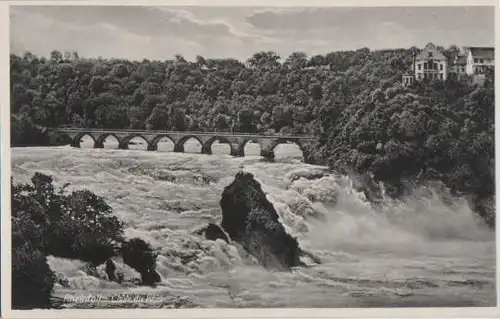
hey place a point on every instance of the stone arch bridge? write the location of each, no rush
(236, 141)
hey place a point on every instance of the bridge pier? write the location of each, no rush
(122, 145)
(98, 144)
(179, 148)
(207, 150)
(236, 152)
(152, 147)
(268, 155)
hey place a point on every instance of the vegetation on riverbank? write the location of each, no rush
(79, 225)
(353, 101)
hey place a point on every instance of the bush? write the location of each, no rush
(25, 133)
(32, 278)
(87, 230)
(79, 225)
(139, 255)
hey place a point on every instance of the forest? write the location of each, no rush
(353, 102)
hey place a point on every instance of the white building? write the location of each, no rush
(431, 64)
(480, 59)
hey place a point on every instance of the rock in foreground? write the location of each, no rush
(250, 219)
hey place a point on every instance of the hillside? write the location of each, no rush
(352, 100)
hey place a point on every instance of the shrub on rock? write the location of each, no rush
(139, 255)
(79, 225)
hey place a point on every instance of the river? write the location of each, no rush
(419, 252)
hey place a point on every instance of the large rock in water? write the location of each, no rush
(251, 220)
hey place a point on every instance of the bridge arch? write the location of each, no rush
(103, 137)
(241, 147)
(280, 141)
(76, 140)
(153, 146)
(124, 143)
(207, 147)
(179, 146)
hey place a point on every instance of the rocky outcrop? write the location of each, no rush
(140, 256)
(214, 232)
(250, 219)
(114, 269)
(110, 270)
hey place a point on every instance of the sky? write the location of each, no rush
(158, 33)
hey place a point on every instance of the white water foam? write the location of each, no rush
(417, 252)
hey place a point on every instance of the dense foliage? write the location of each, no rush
(139, 255)
(78, 225)
(32, 278)
(432, 131)
(353, 101)
(206, 94)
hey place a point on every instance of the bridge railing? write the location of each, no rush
(99, 130)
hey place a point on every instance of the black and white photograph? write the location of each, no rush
(222, 157)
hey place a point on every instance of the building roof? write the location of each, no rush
(430, 53)
(461, 60)
(482, 52)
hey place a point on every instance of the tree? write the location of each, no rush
(56, 56)
(180, 59)
(139, 255)
(158, 118)
(265, 60)
(245, 121)
(201, 61)
(32, 278)
(221, 122)
(317, 60)
(282, 117)
(177, 121)
(297, 60)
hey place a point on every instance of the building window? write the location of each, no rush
(476, 60)
(435, 66)
(481, 60)
(420, 76)
(425, 65)
(419, 66)
(441, 67)
(441, 76)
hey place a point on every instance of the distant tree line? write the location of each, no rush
(353, 101)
